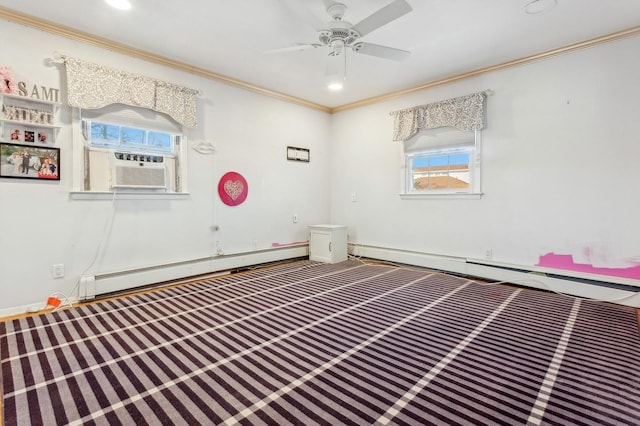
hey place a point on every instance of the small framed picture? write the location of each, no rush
(16, 135)
(29, 162)
(43, 137)
(29, 136)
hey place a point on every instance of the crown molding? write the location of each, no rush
(61, 30)
(533, 58)
(54, 28)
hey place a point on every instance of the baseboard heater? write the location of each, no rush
(92, 286)
(618, 290)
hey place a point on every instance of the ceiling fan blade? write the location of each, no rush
(389, 13)
(294, 48)
(381, 51)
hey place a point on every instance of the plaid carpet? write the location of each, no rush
(308, 343)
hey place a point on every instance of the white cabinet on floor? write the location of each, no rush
(328, 243)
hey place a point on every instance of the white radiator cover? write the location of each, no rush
(527, 276)
(91, 286)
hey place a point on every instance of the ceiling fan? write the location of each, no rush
(340, 34)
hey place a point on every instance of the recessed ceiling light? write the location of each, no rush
(538, 6)
(119, 4)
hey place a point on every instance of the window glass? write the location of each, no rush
(442, 161)
(440, 171)
(130, 138)
(105, 133)
(159, 139)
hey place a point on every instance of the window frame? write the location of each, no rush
(134, 117)
(419, 146)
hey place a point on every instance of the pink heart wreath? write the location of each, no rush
(232, 189)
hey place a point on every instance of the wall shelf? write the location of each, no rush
(28, 120)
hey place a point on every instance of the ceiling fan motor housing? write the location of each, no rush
(342, 31)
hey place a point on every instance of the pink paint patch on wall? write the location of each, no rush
(295, 243)
(565, 262)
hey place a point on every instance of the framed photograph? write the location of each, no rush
(29, 162)
(43, 137)
(29, 136)
(16, 135)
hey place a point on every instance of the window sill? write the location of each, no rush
(447, 196)
(120, 195)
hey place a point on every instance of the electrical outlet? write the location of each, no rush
(57, 270)
(295, 218)
(354, 197)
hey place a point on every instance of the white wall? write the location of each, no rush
(559, 174)
(560, 166)
(42, 226)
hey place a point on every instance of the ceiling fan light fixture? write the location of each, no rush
(336, 72)
(337, 47)
(534, 7)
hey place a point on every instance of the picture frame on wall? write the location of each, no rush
(29, 136)
(29, 162)
(16, 135)
(43, 137)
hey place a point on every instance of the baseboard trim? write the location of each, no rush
(90, 287)
(94, 285)
(609, 291)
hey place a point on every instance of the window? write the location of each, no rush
(442, 162)
(109, 135)
(440, 170)
(130, 149)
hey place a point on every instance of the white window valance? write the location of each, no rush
(93, 86)
(464, 113)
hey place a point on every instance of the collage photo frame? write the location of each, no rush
(29, 162)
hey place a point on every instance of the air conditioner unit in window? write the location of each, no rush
(137, 170)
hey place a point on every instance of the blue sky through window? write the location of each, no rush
(105, 132)
(113, 135)
(441, 160)
(132, 136)
(159, 139)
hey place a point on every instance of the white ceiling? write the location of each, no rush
(445, 37)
